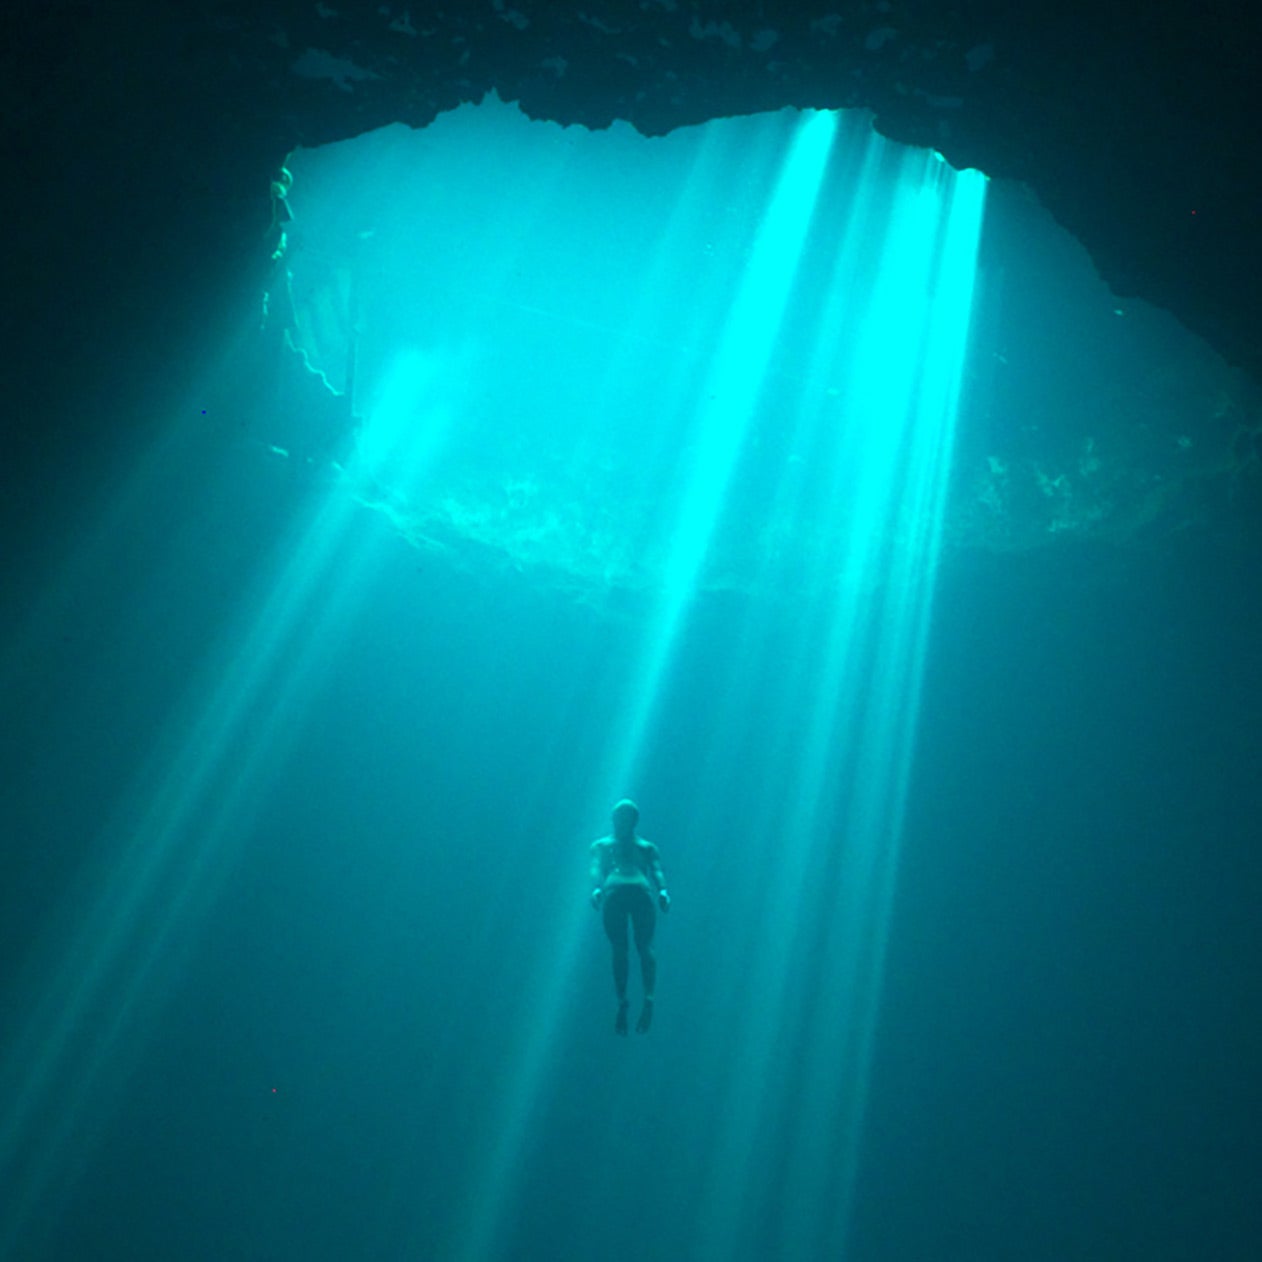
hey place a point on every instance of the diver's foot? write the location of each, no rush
(646, 1018)
(620, 1025)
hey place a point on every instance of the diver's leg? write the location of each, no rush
(615, 918)
(644, 918)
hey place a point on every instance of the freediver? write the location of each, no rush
(626, 874)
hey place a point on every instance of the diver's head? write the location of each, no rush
(625, 817)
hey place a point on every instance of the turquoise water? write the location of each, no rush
(307, 752)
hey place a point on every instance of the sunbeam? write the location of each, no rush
(848, 706)
(167, 856)
(680, 416)
(785, 429)
(729, 394)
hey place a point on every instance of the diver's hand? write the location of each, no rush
(597, 895)
(663, 900)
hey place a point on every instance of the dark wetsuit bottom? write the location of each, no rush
(634, 903)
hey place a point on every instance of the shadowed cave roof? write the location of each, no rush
(142, 137)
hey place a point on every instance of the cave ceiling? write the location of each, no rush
(143, 136)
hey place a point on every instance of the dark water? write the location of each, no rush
(361, 1009)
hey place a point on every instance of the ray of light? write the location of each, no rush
(724, 405)
(876, 798)
(851, 707)
(873, 416)
(727, 401)
(173, 843)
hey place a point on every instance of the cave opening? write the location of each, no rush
(548, 334)
(561, 291)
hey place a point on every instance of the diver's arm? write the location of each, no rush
(658, 877)
(599, 870)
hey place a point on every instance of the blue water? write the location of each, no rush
(361, 1008)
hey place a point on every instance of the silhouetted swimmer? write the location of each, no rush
(626, 876)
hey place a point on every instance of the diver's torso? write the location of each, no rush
(628, 865)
